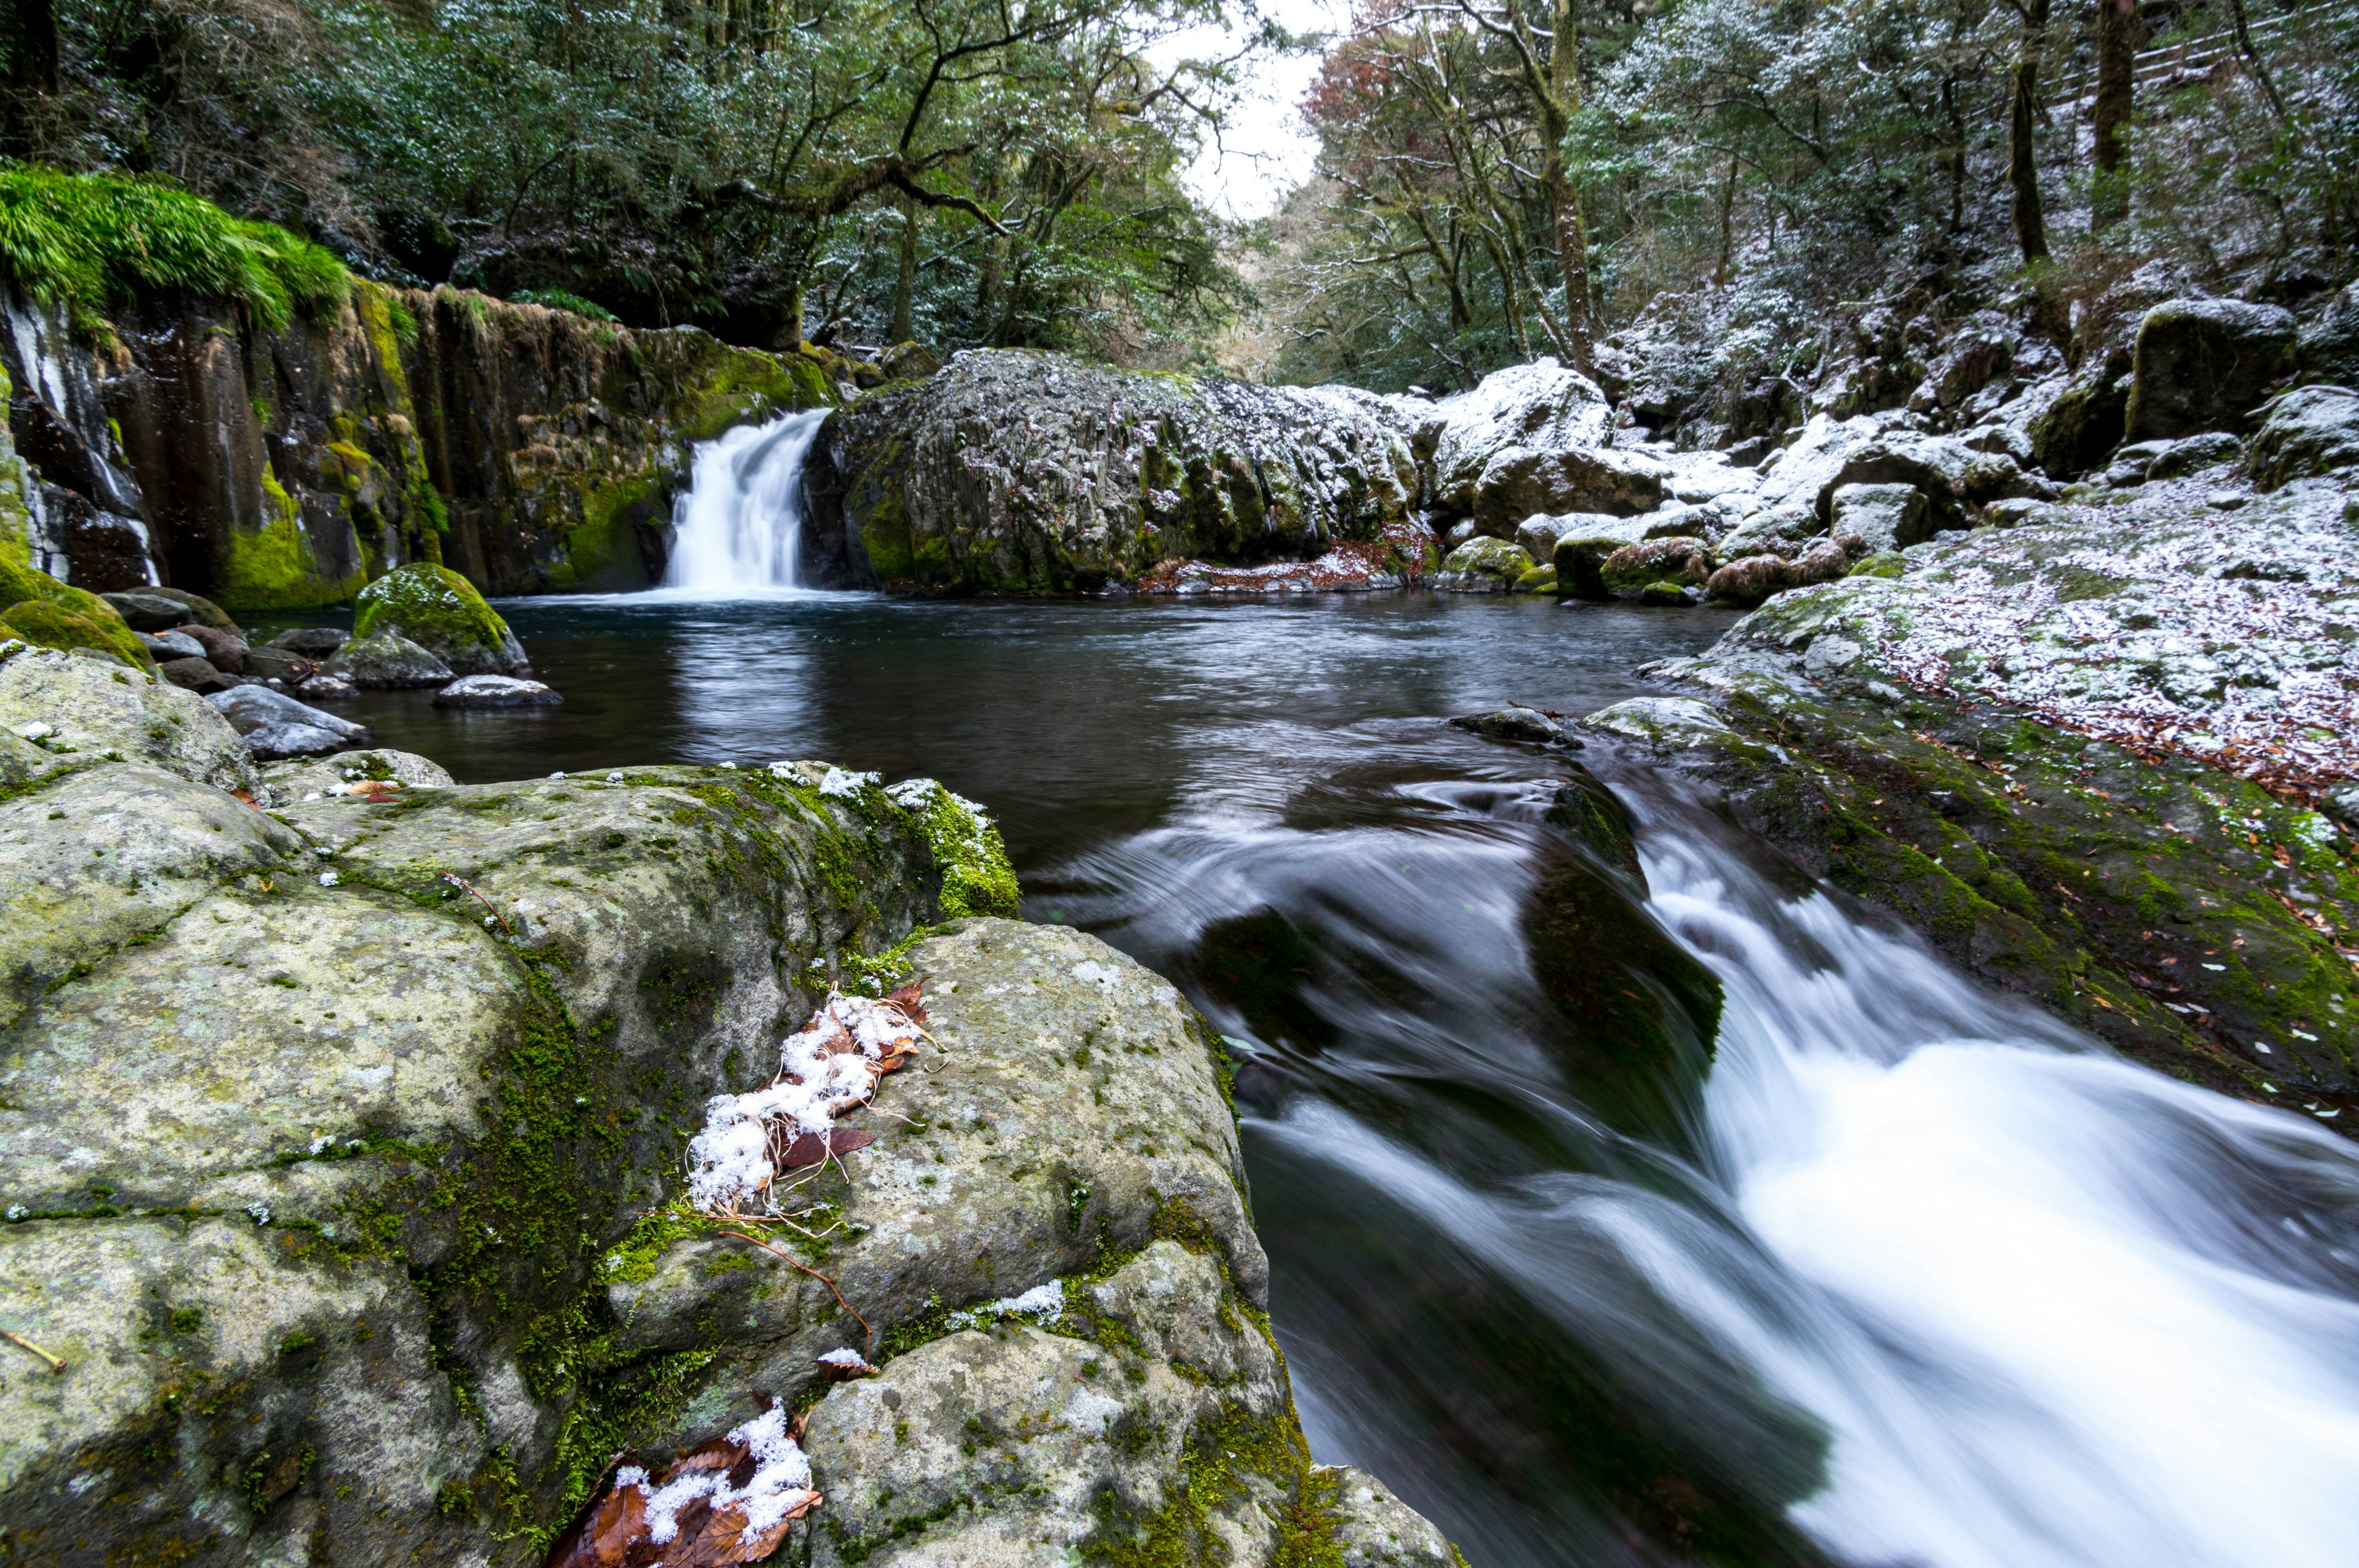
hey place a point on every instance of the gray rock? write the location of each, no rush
(277, 737)
(2205, 364)
(96, 708)
(291, 783)
(2310, 431)
(166, 645)
(1649, 567)
(1673, 722)
(1541, 407)
(1526, 724)
(388, 661)
(250, 708)
(1888, 516)
(327, 688)
(1521, 480)
(161, 609)
(277, 663)
(226, 649)
(310, 641)
(494, 691)
(909, 361)
(1015, 472)
(196, 675)
(2329, 346)
(2196, 453)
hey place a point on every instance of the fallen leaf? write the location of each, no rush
(811, 1148)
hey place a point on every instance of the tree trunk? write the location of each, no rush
(790, 335)
(1564, 200)
(905, 282)
(2116, 64)
(1727, 225)
(2023, 157)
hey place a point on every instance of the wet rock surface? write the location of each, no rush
(340, 1149)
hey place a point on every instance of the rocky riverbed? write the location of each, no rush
(344, 1115)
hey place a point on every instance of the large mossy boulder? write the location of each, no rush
(48, 613)
(1483, 565)
(343, 1151)
(1021, 473)
(2205, 364)
(439, 610)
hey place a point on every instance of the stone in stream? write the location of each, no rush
(275, 725)
(225, 649)
(494, 691)
(196, 675)
(327, 686)
(1525, 724)
(1657, 568)
(440, 611)
(388, 661)
(1483, 565)
(310, 641)
(277, 663)
(171, 645)
(154, 609)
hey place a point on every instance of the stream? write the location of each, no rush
(1882, 1270)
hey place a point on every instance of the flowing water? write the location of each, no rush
(1904, 1273)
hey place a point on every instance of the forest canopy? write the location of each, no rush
(961, 171)
(1496, 179)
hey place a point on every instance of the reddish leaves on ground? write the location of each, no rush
(613, 1532)
(811, 1148)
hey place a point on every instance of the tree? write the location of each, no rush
(2117, 29)
(2029, 215)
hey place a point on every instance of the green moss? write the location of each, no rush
(432, 606)
(50, 624)
(93, 242)
(976, 876)
(272, 567)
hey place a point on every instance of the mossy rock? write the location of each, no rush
(440, 611)
(52, 614)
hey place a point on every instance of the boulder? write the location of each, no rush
(1582, 547)
(277, 663)
(154, 609)
(388, 661)
(95, 709)
(1521, 480)
(2205, 364)
(1016, 473)
(275, 725)
(170, 645)
(197, 675)
(494, 691)
(2084, 421)
(1657, 564)
(1888, 516)
(355, 775)
(2328, 349)
(440, 611)
(225, 649)
(1785, 531)
(2310, 431)
(310, 641)
(909, 361)
(1541, 407)
(48, 613)
(2194, 454)
(327, 687)
(1483, 566)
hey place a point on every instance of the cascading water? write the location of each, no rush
(738, 528)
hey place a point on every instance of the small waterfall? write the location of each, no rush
(738, 528)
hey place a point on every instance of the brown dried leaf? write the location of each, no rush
(810, 1148)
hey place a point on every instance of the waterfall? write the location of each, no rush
(739, 526)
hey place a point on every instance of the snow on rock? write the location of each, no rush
(827, 1067)
(1541, 407)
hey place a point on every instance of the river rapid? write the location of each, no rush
(1904, 1272)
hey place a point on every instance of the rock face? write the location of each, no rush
(531, 450)
(343, 1152)
(1541, 407)
(2205, 364)
(440, 611)
(1023, 472)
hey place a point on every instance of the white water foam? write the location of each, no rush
(2053, 1309)
(739, 527)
